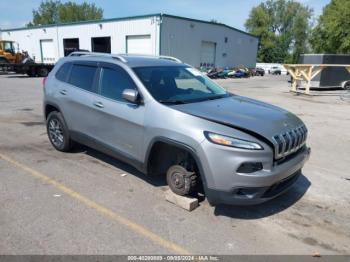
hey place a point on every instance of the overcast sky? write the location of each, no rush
(16, 13)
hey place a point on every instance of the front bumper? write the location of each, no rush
(223, 185)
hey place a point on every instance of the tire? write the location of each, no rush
(57, 132)
(346, 85)
(31, 73)
(181, 181)
(43, 72)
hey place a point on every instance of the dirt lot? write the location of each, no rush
(88, 203)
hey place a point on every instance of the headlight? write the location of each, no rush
(231, 141)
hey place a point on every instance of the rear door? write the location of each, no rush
(119, 124)
(77, 97)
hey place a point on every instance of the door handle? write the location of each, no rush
(99, 104)
(63, 92)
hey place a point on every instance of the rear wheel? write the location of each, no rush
(181, 181)
(43, 72)
(31, 72)
(347, 85)
(58, 132)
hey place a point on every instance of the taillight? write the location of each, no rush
(44, 81)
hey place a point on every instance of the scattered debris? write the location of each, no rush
(316, 254)
(56, 195)
(122, 175)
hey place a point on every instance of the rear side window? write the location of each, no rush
(82, 76)
(63, 71)
(114, 82)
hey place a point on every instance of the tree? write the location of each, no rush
(332, 33)
(72, 12)
(53, 12)
(283, 27)
(47, 13)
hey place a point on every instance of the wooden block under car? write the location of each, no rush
(188, 203)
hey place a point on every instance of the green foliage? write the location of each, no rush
(72, 12)
(332, 34)
(283, 27)
(53, 12)
(47, 13)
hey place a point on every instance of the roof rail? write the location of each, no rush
(87, 53)
(120, 57)
(170, 58)
(79, 53)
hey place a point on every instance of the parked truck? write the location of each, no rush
(20, 62)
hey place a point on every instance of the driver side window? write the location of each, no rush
(114, 81)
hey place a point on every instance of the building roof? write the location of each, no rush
(125, 18)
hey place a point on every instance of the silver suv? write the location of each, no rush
(166, 118)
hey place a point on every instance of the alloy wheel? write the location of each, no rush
(56, 133)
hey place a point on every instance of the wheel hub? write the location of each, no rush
(178, 180)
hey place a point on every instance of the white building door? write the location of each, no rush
(47, 51)
(208, 51)
(139, 44)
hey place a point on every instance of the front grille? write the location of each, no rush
(290, 141)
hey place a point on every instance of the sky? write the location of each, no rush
(16, 13)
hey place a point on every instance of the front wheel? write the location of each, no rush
(181, 181)
(58, 132)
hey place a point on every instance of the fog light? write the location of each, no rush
(250, 167)
(247, 192)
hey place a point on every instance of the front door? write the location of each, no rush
(120, 124)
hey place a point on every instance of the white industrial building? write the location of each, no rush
(193, 41)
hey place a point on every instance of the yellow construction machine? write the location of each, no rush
(12, 60)
(9, 53)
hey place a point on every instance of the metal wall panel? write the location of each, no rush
(182, 38)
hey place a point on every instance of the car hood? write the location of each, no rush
(244, 114)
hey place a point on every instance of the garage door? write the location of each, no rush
(139, 44)
(208, 51)
(47, 51)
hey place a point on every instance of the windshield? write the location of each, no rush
(9, 47)
(172, 84)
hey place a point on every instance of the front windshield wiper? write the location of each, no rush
(213, 97)
(178, 102)
(219, 96)
(172, 102)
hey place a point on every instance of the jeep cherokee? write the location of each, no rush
(165, 117)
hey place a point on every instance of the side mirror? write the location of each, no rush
(131, 95)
